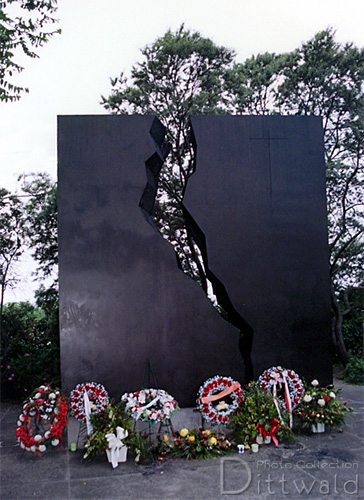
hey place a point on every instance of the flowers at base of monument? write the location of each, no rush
(42, 421)
(321, 405)
(259, 416)
(107, 422)
(219, 398)
(192, 444)
(98, 397)
(152, 405)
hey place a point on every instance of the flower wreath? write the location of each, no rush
(152, 405)
(97, 395)
(282, 377)
(292, 386)
(214, 389)
(42, 420)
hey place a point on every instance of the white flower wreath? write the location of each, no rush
(152, 405)
(216, 388)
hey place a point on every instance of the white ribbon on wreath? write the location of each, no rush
(143, 408)
(277, 380)
(87, 405)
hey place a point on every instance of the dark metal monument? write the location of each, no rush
(254, 216)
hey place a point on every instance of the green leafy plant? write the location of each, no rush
(321, 405)
(193, 444)
(258, 412)
(103, 423)
(354, 371)
(32, 355)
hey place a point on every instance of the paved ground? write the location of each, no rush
(316, 467)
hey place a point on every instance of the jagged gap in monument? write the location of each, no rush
(163, 209)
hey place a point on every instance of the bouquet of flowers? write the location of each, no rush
(107, 422)
(321, 405)
(193, 444)
(259, 417)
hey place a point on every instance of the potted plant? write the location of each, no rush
(257, 420)
(113, 433)
(320, 407)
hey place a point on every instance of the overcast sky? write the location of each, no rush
(102, 38)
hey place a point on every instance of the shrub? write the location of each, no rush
(354, 371)
(32, 354)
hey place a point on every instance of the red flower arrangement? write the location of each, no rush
(215, 389)
(42, 420)
(97, 394)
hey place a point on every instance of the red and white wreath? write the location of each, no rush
(218, 389)
(42, 420)
(97, 395)
(152, 405)
(280, 378)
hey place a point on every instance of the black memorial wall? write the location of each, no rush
(255, 208)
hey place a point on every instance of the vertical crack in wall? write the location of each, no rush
(162, 206)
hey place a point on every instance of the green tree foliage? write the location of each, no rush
(12, 234)
(41, 213)
(29, 334)
(23, 26)
(251, 87)
(33, 349)
(181, 74)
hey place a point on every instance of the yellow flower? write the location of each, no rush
(191, 438)
(165, 438)
(184, 432)
(213, 440)
(206, 433)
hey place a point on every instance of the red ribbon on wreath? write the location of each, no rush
(274, 426)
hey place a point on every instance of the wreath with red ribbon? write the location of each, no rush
(97, 394)
(210, 400)
(42, 420)
(281, 378)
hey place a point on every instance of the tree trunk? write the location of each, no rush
(337, 330)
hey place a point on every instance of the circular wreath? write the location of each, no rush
(42, 420)
(97, 394)
(276, 376)
(152, 405)
(210, 399)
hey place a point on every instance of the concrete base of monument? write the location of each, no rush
(185, 417)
